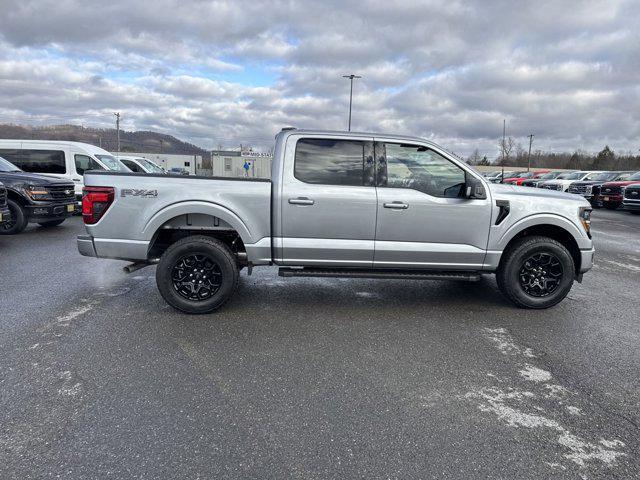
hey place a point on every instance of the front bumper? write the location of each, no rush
(86, 246)
(631, 204)
(47, 212)
(586, 260)
(609, 198)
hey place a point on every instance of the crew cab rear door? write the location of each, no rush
(328, 202)
(424, 220)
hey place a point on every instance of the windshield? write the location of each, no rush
(571, 176)
(152, 167)
(549, 175)
(527, 175)
(7, 166)
(635, 176)
(603, 176)
(112, 163)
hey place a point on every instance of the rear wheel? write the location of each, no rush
(51, 223)
(18, 221)
(197, 274)
(610, 205)
(536, 272)
(635, 212)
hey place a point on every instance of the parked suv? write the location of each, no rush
(34, 199)
(140, 165)
(631, 199)
(5, 214)
(611, 193)
(534, 182)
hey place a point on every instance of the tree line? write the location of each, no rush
(512, 154)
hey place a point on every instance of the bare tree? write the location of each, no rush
(506, 149)
(474, 158)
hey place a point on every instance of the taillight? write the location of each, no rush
(95, 201)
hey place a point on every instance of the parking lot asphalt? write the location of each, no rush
(315, 378)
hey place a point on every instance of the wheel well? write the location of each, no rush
(165, 237)
(16, 197)
(552, 231)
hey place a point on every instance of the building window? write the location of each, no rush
(187, 164)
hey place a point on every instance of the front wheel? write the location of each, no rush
(536, 272)
(51, 223)
(197, 274)
(18, 221)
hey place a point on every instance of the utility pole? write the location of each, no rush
(504, 133)
(529, 157)
(351, 77)
(117, 114)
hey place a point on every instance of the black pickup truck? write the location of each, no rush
(33, 198)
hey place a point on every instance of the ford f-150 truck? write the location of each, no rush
(340, 204)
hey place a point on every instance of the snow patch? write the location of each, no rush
(535, 374)
(505, 342)
(574, 410)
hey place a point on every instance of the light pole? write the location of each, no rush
(351, 77)
(529, 156)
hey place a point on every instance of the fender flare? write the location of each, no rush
(543, 219)
(196, 206)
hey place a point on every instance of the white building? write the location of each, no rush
(241, 164)
(170, 160)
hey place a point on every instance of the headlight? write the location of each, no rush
(37, 193)
(585, 218)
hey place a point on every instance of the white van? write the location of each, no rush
(60, 159)
(141, 164)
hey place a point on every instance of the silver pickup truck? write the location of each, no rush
(340, 204)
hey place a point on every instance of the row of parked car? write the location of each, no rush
(602, 188)
(41, 181)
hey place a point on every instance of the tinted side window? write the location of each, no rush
(11, 154)
(84, 162)
(329, 162)
(42, 161)
(131, 165)
(411, 166)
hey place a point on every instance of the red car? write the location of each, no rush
(611, 193)
(525, 176)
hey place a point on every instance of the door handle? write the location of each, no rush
(397, 205)
(301, 201)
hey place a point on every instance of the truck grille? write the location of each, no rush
(611, 190)
(578, 189)
(632, 193)
(552, 187)
(3, 197)
(62, 192)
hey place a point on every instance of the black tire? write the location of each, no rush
(51, 223)
(611, 205)
(182, 261)
(18, 220)
(635, 212)
(511, 279)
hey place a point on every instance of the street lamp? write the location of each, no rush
(351, 77)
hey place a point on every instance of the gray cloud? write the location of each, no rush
(229, 72)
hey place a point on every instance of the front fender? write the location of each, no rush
(581, 238)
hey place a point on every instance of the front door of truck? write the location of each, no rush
(328, 202)
(424, 220)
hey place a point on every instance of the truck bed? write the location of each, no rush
(144, 204)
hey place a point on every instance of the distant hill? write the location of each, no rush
(141, 141)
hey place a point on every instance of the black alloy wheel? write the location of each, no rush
(196, 277)
(541, 274)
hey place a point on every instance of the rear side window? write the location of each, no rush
(84, 162)
(41, 161)
(133, 166)
(329, 162)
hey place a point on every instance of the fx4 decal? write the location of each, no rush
(134, 192)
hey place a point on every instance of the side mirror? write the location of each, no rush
(473, 188)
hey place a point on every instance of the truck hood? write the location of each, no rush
(620, 184)
(504, 192)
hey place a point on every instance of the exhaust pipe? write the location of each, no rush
(138, 265)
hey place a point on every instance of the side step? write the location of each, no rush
(379, 273)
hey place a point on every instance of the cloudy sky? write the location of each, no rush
(226, 72)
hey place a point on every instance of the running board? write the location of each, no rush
(380, 273)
